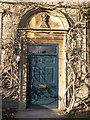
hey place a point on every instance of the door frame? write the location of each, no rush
(23, 30)
(57, 54)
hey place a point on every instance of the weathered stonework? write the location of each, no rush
(74, 48)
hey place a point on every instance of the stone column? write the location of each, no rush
(1, 11)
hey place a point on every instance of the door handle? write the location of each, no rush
(43, 86)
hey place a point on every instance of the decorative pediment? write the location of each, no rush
(45, 20)
(42, 16)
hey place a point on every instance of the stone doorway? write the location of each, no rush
(43, 28)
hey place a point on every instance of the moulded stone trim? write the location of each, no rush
(47, 8)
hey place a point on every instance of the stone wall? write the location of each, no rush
(75, 49)
(49, 1)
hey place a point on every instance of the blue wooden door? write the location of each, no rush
(42, 87)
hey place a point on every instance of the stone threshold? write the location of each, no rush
(40, 113)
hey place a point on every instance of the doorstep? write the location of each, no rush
(40, 113)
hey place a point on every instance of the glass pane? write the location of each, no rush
(42, 49)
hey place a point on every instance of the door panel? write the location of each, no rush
(42, 80)
(50, 74)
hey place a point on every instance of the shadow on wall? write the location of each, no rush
(9, 107)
